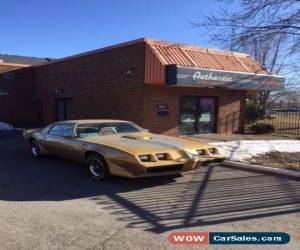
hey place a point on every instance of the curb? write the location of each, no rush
(247, 166)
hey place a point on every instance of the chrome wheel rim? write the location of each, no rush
(96, 168)
(34, 149)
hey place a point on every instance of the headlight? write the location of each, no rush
(201, 152)
(162, 156)
(212, 150)
(145, 158)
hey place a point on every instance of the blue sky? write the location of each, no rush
(61, 28)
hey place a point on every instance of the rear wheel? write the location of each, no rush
(35, 148)
(98, 167)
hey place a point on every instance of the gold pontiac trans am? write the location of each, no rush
(113, 147)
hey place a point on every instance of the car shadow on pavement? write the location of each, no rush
(211, 195)
(207, 196)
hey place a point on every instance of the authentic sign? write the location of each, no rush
(198, 77)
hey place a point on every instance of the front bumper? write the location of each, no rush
(206, 162)
(162, 168)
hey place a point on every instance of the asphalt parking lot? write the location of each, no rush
(52, 203)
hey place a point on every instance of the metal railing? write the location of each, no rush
(284, 121)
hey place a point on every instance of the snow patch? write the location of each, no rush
(5, 126)
(244, 149)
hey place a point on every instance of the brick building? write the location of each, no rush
(16, 88)
(165, 87)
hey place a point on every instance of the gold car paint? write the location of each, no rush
(121, 151)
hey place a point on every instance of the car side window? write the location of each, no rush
(56, 130)
(67, 129)
(87, 130)
(62, 130)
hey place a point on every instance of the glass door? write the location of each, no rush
(206, 115)
(197, 115)
(188, 115)
(63, 109)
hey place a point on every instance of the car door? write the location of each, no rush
(68, 145)
(50, 137)
(58, 140)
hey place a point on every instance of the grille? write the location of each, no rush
(165, 168)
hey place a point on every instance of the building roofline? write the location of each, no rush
(110, 47)
(193, 47)
(212, 51)
(149, 41)
(21, 60)
(14, 64)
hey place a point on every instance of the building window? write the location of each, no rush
(8, 76)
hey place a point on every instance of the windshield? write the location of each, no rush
(106, 128)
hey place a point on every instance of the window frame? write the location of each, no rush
(9, 75)
(140, 129)
(198, 111)
(67, 103)
(61, 124)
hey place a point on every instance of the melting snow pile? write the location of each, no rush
(5, 126)
(241, 150)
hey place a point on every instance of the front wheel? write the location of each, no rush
(98, 167)
(35, 148)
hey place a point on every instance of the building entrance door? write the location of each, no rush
(197, 115)
(63, 109)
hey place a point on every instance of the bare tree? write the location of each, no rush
(269, 30)
(259, 19)
(268, 51)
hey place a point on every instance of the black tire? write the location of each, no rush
(97, 167)
(35, 148)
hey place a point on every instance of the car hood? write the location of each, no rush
(146, 143)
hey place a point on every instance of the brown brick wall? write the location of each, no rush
(107, 84)
(231, 104)
(18, 106)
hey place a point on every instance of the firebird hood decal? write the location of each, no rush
(145, 142)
